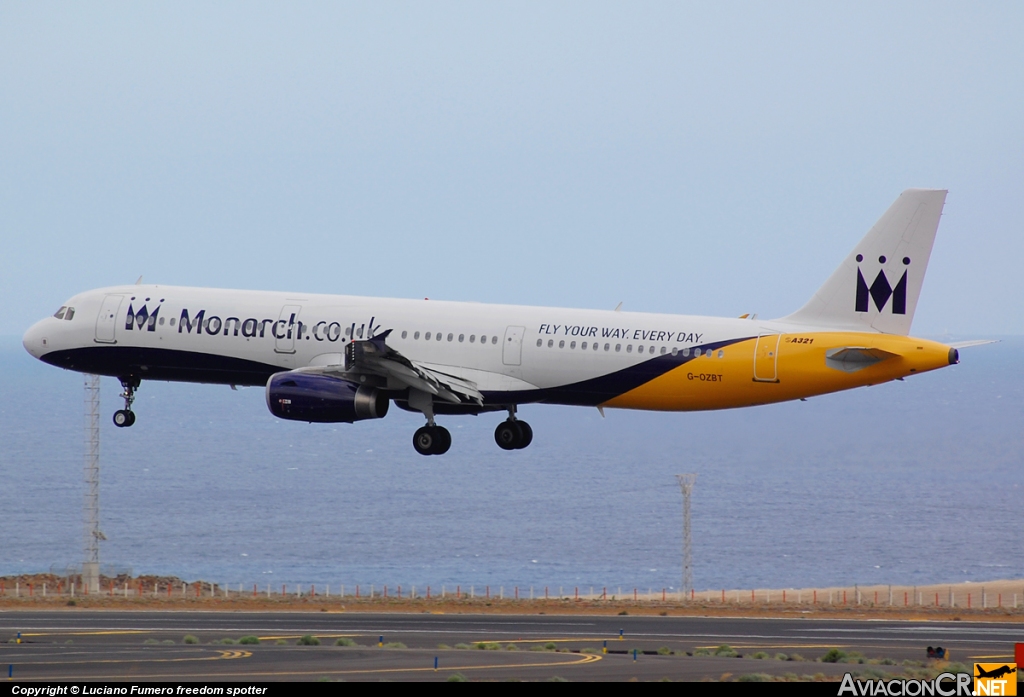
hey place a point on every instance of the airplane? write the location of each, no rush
(343, 358)
(995, 672)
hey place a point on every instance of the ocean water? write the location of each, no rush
(911, 482)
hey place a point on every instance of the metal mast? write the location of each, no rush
(91, 508)
(686, 482)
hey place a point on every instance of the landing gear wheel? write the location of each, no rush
(425, 440)
(432, 440)
(123, 418)
(508, 435)
(444, 440)
(527, 435)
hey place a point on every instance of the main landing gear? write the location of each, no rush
(123, 418)
(432, 440)
(513, 434)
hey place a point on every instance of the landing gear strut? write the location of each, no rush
(124, 418)
(513, 434)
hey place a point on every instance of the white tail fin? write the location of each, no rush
(877, 286)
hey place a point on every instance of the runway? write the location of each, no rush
(135, 646)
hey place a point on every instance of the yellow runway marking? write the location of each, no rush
(782, 646)
(112, 631)
(592, 658)
(1002, 658)
(318, 636)
(543, 641)
(224, 655)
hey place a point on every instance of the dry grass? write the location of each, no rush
(701, 606)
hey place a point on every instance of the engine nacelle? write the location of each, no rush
(323, 399)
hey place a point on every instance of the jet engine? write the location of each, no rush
(323, 399)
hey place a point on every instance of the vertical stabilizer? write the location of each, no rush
(876, 288)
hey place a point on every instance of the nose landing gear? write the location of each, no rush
(124, 418)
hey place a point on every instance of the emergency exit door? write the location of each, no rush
(766, 358)
(512, 347)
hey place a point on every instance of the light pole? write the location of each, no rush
(686, 482)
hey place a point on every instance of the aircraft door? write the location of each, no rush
(106, 320)
(286, 328)
(766, 358)
(512, 348)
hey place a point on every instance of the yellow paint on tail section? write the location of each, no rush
(777, 368)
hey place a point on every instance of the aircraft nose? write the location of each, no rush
(35, 340)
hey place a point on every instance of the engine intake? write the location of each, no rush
(323, 399)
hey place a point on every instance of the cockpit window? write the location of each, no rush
(59, 314)
(70, 313)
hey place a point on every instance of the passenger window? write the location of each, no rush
(472, 338)
(663, 350)
(494, 339)
(59, 314)
(629, 348)
(404, 333)
(437, 337)
(427, 337)
(172, 321)
(70, 314)
(561, 344)
(462, 337)
(551, 342)
(584, 346)
(416, 335)
(640, 349)
(539, 342)
(483, 339)
(675, 351)
(161, 321)
(607, 346)
(721, 353)
(595, 345)
(696, 352)
(686, 352)
(618, 347)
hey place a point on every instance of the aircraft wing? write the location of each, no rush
(375, 357)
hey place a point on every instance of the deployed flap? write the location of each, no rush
(876, 288)
(374, 357)
(850, 359)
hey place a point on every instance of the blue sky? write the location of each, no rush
(709, 159)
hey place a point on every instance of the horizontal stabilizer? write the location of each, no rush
(975, 342)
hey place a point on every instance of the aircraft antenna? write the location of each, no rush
(686, 482)
(91, 507)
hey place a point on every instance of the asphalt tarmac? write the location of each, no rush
(136, 646)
